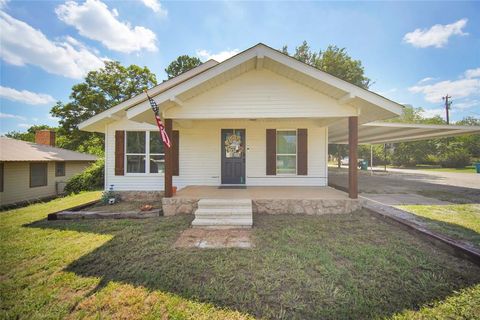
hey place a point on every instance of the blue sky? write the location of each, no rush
(415, 52)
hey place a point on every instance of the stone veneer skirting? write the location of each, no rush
(173, 206)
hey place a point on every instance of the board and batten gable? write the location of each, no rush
(260, 94)
(200, 157)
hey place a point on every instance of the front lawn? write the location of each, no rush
(460, 221)
(303, 267)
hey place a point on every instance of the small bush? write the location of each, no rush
(454, 158)
(90, 179)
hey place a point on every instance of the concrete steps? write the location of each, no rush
(223, 213)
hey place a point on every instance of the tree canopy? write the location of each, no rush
(101, 90)
(333, 60)
(182, 64)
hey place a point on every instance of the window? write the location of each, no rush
(286, 151)
(157, 153)
(38, 174)
(141, 145)
(59, 169)
(1, 177)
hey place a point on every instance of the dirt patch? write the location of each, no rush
(122, 206)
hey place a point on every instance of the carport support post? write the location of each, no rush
(168, 161)
(352, 157)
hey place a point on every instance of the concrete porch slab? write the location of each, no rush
(214, 238)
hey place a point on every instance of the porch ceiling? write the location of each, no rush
(386, 132)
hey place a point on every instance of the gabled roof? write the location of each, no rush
(97, 122)
(370, 105)
(17, 150)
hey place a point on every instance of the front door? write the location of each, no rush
(233, 156)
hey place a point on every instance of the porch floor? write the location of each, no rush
(262, 192)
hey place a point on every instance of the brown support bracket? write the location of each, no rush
(352, 157)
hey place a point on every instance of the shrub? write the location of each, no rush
(90, 179)
(454, 158)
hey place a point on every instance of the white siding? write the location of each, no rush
(16, 183)
(200, 158)
(260, 94)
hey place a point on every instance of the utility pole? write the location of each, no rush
(447, 106)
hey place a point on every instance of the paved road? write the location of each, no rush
(445, 186)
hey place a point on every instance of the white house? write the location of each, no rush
(260, 118)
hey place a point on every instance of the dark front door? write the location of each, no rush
(233, 156)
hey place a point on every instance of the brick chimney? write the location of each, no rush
(46, 137)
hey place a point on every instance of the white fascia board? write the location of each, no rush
(343, 85)
(143, 97)
(422, 126)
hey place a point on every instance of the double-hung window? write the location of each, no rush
(143, 145)
(286, 151)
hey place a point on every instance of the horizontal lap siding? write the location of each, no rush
(200, 154)
(16, 187)
(260, 94)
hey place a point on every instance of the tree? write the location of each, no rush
(334, 61)
(181, 64)
(30, 134)
(101, 90)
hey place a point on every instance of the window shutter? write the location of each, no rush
(176, 152)
(271, 152)
(302, 152)
(119, 152)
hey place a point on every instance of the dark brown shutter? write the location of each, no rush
(271, 152)
(176, 149)
(119, 153)
(302, 152)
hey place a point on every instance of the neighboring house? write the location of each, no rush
(260, 118)
(32, 171)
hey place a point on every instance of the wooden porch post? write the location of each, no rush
(352, 157)
(168, 161)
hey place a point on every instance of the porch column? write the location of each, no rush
(168, 161)
(352, 157)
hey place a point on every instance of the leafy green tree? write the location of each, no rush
(101, 90)
(182, 64)
(30, 134)
(470, 142)
(333, 60)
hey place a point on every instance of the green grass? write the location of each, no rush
(460, 221)
(468, 169)
(303, 267)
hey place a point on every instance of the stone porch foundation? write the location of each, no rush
(173, 206)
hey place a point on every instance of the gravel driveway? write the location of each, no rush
(445, 186)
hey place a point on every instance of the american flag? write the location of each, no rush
(161, 127)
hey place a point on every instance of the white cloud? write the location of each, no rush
(11, 116)
(156, 7)
(430, 113)
(427, 79)
(22, 44)
(437, 36)
(25, 125)
(3, 3)
(461, 88)
(220, 56)
(467, 104)
(472, 73)
(95, 21)
(25, 96)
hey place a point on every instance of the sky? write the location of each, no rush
(414, 52)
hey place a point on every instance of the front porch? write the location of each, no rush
(266, 199)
